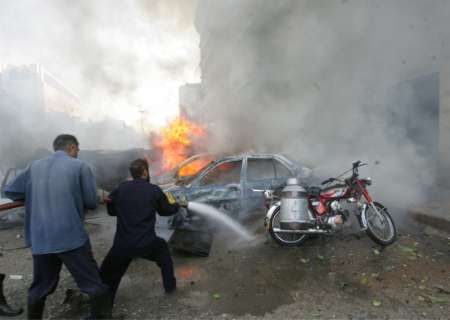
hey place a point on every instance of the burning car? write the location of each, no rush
(229, 183)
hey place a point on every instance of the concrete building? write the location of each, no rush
(37, 89)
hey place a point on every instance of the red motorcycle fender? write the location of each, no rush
(270, 213)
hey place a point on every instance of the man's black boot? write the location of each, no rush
(36, 309)
(101, 306)
(5, 309)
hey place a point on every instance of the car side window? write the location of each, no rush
(260, 169)
(281, 171)
(224, 173)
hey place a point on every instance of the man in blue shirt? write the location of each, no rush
(57, 190)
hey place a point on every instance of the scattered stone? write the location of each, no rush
(406, 249)
(389, 268)
(343, 285)
(441, 289)
(438, 300)
(303, 260)
(16, 277)
(376, 303)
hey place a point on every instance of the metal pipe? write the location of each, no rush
(11, 205)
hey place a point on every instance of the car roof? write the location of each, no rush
(250, 155)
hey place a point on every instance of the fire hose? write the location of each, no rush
(11, 205)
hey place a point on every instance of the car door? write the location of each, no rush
(220, 186)
(259, 175)
(282, 172)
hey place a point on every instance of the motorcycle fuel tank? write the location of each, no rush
(294, 207)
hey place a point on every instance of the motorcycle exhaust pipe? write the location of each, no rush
(306, 231)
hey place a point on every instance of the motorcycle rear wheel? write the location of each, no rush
(284, 238)
(380, 225)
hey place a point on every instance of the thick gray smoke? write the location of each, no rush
(329, 82)
(119, 57)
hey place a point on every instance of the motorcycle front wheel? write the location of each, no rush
(380, 225)
(284, 238)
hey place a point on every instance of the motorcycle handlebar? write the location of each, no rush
(355, 167)
(358, 164)
(327, 181)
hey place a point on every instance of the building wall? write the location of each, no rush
(57, 97)
(22, 86)
(36, 89)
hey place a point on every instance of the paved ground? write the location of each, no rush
(346, 276)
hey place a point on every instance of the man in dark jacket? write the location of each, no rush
(57, 190)
(135, 203)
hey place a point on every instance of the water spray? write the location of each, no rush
(214, 213)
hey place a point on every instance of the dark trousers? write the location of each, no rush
(117, 261)
(81, 265)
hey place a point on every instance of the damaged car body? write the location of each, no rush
(232, 185)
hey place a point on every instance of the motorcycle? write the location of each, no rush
(296, 211)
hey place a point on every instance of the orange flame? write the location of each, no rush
(193, 167)
(176, 142)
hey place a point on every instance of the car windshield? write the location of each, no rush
(188, 171)
(194, 167)
(224, 173)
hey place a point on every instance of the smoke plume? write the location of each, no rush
(328, 82)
